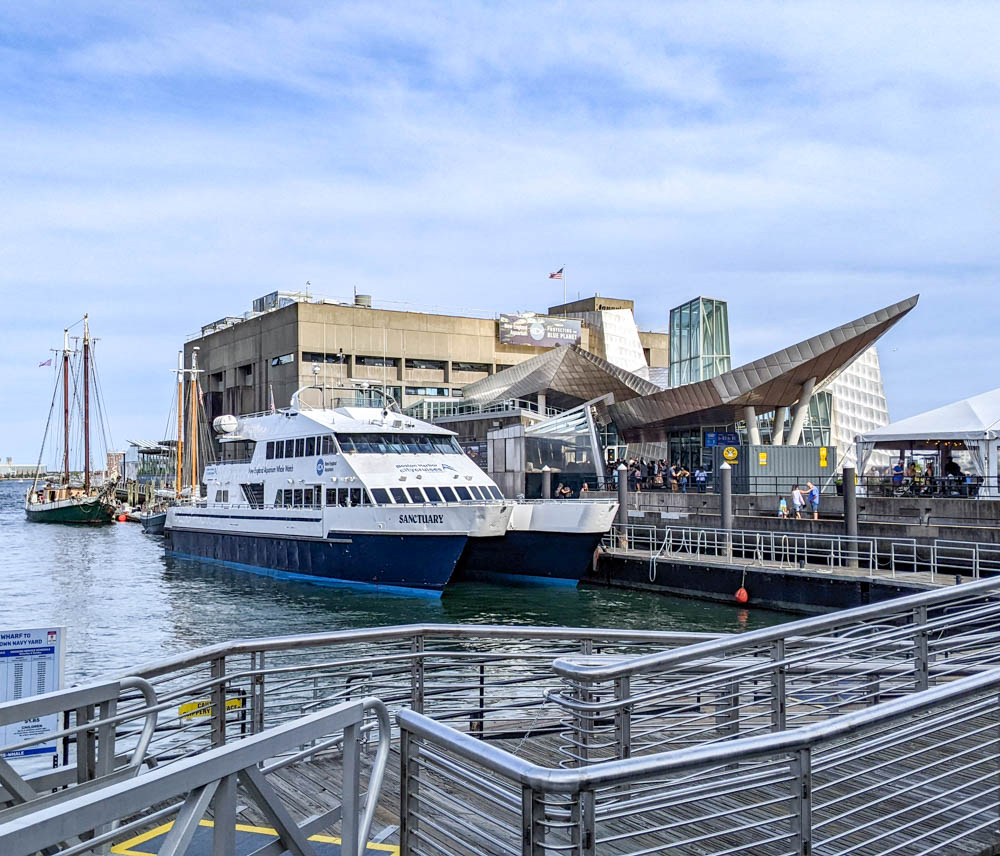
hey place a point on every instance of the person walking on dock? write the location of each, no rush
(813, 499)
(798, 502)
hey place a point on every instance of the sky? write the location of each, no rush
(163, 164)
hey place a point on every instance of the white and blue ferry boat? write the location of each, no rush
(352, 492)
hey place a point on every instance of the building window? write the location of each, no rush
(312, 357)
(283, 360)
(430, 365)
(483, 368)
(427, 390)
(390, 362)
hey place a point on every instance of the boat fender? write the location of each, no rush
(122, 518)
(742, 596)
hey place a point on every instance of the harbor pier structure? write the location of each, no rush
(867, 731)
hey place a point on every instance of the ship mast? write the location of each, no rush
(180, 423)
(66, 404)
(193, 418)
(86, 405)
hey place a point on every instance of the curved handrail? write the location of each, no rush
(378, 769)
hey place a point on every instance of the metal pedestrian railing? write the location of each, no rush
(584, 741)
(877, 555)
(911, 776)
(776, 678)
(80, 824)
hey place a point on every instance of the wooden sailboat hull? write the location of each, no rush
(89, 511)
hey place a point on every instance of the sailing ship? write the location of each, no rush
(154, 517)
(66, 499)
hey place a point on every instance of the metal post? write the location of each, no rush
(802, 802)
(417, 674)
(921, 654)
(224, 817)
(726, 507)
(218, 701)
(546, 482)
(532, 829)
(588, 823)
(351, 801)
(623, 718)
(778, 701)
(851, 515)
(622, 495)
(407, 793)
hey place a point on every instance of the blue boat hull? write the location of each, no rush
(419, 562)
(547, 556)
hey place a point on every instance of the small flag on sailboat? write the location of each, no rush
(557, 274)
(48, 362)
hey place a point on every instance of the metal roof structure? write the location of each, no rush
(644, 411)
(568, 375)
(773, 381)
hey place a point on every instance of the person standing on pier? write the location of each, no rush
(798, 502)
(813, 499)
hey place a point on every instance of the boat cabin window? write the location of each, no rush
(289, 448)
(416, 495)
(381, 496)
(297, 497)
(398, 495)
(300, 447)
(448, 494)
(496, 492)
(463, 493)
(327, 445)
(432, 494)
(222, 496)
(358, 496)
(390, 443)
(310, 446)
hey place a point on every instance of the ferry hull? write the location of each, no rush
(95, 513)
(409, 561)
(556, 557)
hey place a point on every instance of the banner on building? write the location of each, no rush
(541, 331)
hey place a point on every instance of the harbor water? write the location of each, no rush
(123, 602)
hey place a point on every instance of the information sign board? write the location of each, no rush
(31, 663)
(542, 331)
(722, 438)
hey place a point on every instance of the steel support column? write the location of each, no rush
(753, 429)
(801, 411)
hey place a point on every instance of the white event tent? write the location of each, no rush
(972, 424)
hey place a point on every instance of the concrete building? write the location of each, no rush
(293, 339)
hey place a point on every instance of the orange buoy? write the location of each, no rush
(741, 595)
(122, 518)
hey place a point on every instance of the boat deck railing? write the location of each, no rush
(594, 741)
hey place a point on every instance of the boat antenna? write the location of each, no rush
(65, 381)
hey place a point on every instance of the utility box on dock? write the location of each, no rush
(777, 469)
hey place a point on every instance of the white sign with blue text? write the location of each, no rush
(31, 663)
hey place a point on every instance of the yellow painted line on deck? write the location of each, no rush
(126, 848)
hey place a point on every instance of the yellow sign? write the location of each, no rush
(822, 456)
(730, 453)
(203, 707)
(762, 458)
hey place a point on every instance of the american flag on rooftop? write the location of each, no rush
(557, 274)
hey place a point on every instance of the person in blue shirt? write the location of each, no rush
(813, 499)
(897, 472)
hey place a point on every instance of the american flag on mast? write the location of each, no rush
(558, 274)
